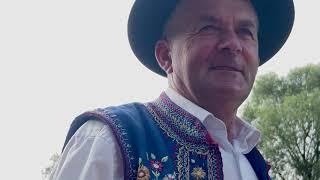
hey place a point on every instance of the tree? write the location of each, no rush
(46, 172)
(287, 112)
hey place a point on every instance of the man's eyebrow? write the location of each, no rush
(252, 24)
(209, 18)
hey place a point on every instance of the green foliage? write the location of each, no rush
(287, 112)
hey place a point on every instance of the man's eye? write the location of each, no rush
(208, 28)
(246, 32)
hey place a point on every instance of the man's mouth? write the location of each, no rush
(225, 68)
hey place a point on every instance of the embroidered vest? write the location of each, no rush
(160, 140)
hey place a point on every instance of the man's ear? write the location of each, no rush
(162, 53)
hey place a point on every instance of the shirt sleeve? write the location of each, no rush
(91, 154)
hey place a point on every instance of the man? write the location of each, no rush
(210, 51)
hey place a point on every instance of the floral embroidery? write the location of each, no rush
(186, 136)
(198, 173)
(192, 139)
(143, 173)
(170, 176)
(156, 167)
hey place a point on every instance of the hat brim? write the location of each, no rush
(148, 18)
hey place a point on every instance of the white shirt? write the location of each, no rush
(94, 154)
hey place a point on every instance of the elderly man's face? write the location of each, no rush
(213, 46)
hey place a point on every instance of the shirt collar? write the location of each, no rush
(246, 136)
(187, 105)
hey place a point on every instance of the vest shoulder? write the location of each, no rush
(127, 114)
(123, 112)
(126, 109)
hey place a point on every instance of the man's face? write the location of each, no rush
(213, 46)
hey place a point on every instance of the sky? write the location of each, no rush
(61, 58)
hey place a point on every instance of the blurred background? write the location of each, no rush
(61, 58)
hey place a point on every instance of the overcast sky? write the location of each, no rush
(60, 58)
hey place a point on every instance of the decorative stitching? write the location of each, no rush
(194, 150)
(190, 134)
(121, 136)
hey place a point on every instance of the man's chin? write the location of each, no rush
(229, 91)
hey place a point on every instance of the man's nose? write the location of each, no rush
(229, 41)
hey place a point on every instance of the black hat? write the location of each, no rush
(148, 18)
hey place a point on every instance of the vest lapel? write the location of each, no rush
(258, 164)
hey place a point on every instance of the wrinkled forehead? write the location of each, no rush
(191, 8)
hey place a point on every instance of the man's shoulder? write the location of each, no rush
(91, 128)
(123, 115)
(92, 123)
(123, 111)
(100, 121)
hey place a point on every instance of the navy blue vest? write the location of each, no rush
(160, 140)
